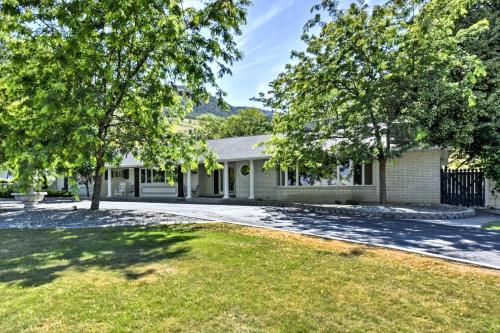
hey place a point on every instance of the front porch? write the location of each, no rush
(141, 182)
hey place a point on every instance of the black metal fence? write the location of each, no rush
(463, 187)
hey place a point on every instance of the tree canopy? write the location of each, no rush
(250, 121)
(92, 80)
(371, 81)
(481, 148)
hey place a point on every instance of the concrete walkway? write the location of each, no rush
(465, 244)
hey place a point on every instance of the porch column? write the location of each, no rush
(109, 183)
(297, 175)
(351, 170)
(226, 180)
(363, 173)
(252, 181)
(286, 176)
(188, 184)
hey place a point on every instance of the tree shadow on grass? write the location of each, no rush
(37, 257)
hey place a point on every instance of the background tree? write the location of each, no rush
(250, 121)
(211, 126)
(92, 80)
(369, 81)
(481, 147)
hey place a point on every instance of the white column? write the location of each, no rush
(252, 181)
(226, 180)
(286, 177)
(109, 183)
(297, 175)
(351, 171)
(338, 173)
(363, 173)
(188, 184)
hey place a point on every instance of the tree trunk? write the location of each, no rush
(96, 196)
(382, 162)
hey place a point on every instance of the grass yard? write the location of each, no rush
(495, 225)
(219, 278)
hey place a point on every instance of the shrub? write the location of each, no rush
(351, 202)
(338, 202)
(58, 194)
(6, 191)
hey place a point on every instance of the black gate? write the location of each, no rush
(462, 187)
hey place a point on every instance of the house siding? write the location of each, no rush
(206, 182)
(326, 194)
(265, 181)
(414, 177)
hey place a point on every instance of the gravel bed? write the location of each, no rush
(431, 212)
(84, 218)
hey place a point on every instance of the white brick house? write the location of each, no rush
(412, 178)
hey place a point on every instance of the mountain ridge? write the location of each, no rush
(212, 107)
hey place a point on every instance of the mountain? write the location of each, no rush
(213, 107)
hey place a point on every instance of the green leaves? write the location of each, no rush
(249, 121)
(94, 80)
(374, 83)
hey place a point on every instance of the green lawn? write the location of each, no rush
(219, 278)
(495, 225)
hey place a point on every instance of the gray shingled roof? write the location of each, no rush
(130, 162)
(239, 148)
(227, 149)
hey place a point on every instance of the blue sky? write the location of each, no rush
(273, 30)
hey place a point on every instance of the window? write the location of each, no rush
(368, 173)
(358, 174)
(146, 176)
(245, 170)
(158, 176)
(343, 174)
(155, 176)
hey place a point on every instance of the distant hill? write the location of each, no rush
(214, 108)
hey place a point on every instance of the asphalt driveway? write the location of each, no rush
(457, 243)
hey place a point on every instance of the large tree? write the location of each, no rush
(92, 80)
(369, 80)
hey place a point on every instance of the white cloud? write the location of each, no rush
(274, 11)
(258, 61)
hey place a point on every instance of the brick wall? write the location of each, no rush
(326, 194)
(414, 177)
(492, 199)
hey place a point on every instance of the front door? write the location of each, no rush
(216, 182)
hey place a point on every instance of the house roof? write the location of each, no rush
(130, 162)
(239, 148)
(227, 149)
